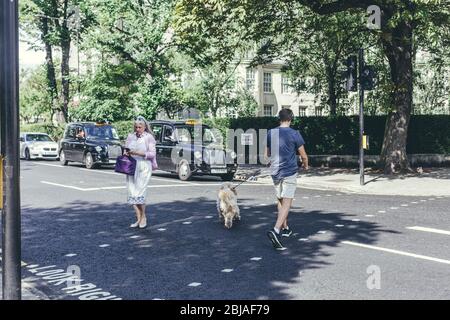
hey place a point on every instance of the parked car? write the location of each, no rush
(93, 144)
(189, 148)
(36, 145)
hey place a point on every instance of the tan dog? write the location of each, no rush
(227, 205)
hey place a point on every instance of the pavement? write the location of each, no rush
(423, 182)
(29, 290)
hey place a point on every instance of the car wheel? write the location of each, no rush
(89, 161)
(227, 177)
(184, 170)
(27, 155)
(62, 158)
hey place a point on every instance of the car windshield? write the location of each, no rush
(196, 133)
(102, 132)
(38, 137)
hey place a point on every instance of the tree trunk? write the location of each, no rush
(332, 96)
(50, 67)
(398, 49)
(65, 73)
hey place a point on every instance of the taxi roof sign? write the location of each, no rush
(192, 122)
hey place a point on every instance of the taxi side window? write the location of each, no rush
(71, 132)
(183, 135)
(168, 132)
(157, 128)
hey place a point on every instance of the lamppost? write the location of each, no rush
(9, 136)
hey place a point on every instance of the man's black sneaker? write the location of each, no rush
(286, 233)
(273, 236)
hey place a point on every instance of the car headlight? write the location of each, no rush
(233, 155)
(198, 155)
(98, 148)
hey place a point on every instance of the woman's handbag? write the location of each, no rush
(125, 164)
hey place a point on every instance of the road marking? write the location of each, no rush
(339, 225)
(124, 187)
(393, 208)
(187, 222)
(403, 253)
(208, 217)
(49, 165)
(322, 232)
(303, 239)
(104, 245)
(381, 211)
(70, 255)
(414, 202)
(403, 205)
(227, 270)
(256, 258)
(194, 284)
(429, 230)
(356, 220)
(369, 215)
(63, 186)
(105, 172)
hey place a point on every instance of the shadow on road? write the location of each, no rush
(185, 243)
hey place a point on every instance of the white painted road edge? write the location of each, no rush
(429, 230)
(403, 253)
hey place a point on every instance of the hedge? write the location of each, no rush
(340, 135)
(323, 135)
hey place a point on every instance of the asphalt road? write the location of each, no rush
(345, 246)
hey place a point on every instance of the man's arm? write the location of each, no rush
(304, 157)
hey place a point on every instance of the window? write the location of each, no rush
(157, 130)
(267, 83)
(71, 132)
(302, 111)
(318, 111)
(268, 110)
(285, 84)
(168, 133)
(250, 79)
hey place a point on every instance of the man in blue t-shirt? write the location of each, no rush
(283, 146)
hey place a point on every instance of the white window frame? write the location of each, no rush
(271, 110)
(302, 111)
(250, 79)
(267, 82)
(285, 84)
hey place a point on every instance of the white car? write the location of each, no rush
(35, 145)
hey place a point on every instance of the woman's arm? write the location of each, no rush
(151, 148)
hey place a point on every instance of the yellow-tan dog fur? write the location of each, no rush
(227, 204)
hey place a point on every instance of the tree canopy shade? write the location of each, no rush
(403, 23)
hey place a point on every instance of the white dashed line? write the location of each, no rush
(161, 229)
(414, 202)
(227, 270)
(403, 205)
(369, 215)
(429, 230)
(187, 222)
(303, 239)
(70, 255)
(381, 211)
(255, 258)
(208, 217)
(134, 237)
(403, 253)
(339, 225)
(104, 245)
(194, 284)
(305, 197)
(356, 220)
(393, 208)
(322, 232)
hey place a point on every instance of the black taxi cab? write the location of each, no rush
(93, 144)
(190, 148)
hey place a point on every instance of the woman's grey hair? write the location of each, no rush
(143, 121)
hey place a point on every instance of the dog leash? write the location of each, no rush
(251, 178)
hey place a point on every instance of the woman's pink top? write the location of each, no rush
(150, 146)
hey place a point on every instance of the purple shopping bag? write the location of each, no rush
(125, 164)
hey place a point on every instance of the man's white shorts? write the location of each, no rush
(286, 187)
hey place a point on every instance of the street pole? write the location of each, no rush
(361, 118)
(9, 123)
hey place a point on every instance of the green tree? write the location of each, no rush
(53, 22)
(401, 21)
